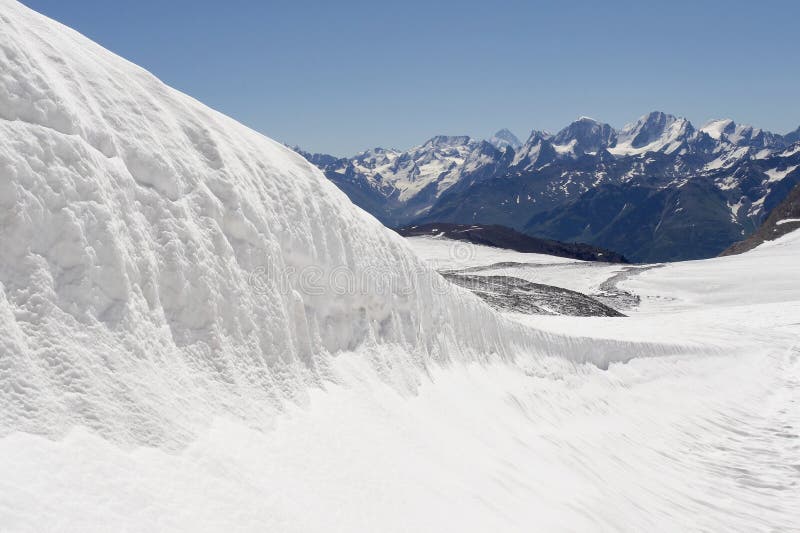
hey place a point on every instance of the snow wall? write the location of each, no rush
(161, 263)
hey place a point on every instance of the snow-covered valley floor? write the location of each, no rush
(705, 441)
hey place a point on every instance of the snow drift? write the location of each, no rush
(160, 262)
(144, 243)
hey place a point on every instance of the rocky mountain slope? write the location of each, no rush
(507, 238)
(657, 189)
(783, 219)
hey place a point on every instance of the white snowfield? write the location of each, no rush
(447, 254)
(198, 332)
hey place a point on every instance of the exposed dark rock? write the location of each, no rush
(784, 218)
(511, 294)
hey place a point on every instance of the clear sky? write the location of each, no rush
(342, 76)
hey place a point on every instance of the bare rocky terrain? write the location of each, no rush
(510, 294)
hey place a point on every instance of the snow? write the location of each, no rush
(448, 254)
(728, 182)
(486, 448)
(674, 132)
(727, 159)
(777, 174)
(160, 264)
(756, 207)
(175, 352)
(576, 275)
(715, 128)
(787, 221)
(529, 151)
(727, 130)
(735, 208)
(527, 444)
(572, 274)
(504, 139)
(566, 149)
(767, 275)
(440, 162)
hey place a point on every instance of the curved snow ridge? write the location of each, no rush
(678, 443)
(160, 262)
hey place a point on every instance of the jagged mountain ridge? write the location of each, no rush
(504, 138)
(728, 175)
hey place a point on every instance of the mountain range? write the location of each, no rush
(658, 189)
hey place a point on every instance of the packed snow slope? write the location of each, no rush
(199, 333)
(698, 441)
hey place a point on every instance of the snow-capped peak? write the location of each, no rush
(727, 131)
(584, 135)
(718, 127)
(504, 138)
(439, 161)
(536, 151)
(653, 132)
(537, 136)
(447, 141)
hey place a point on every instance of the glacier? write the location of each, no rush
(177, 353)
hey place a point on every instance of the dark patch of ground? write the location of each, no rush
(611, 294)
(507, 293)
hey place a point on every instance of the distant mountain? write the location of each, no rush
(792, 137)
(503, 237)
(505, 139)
(399, 186)
(584, 136)
(783, 219)
(671, 211)
(728, 131)
(658, 189)
(655, 132)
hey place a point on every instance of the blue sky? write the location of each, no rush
(338, 77)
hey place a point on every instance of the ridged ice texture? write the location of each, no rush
(142, 236)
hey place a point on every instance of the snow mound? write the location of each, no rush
(161, 264)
